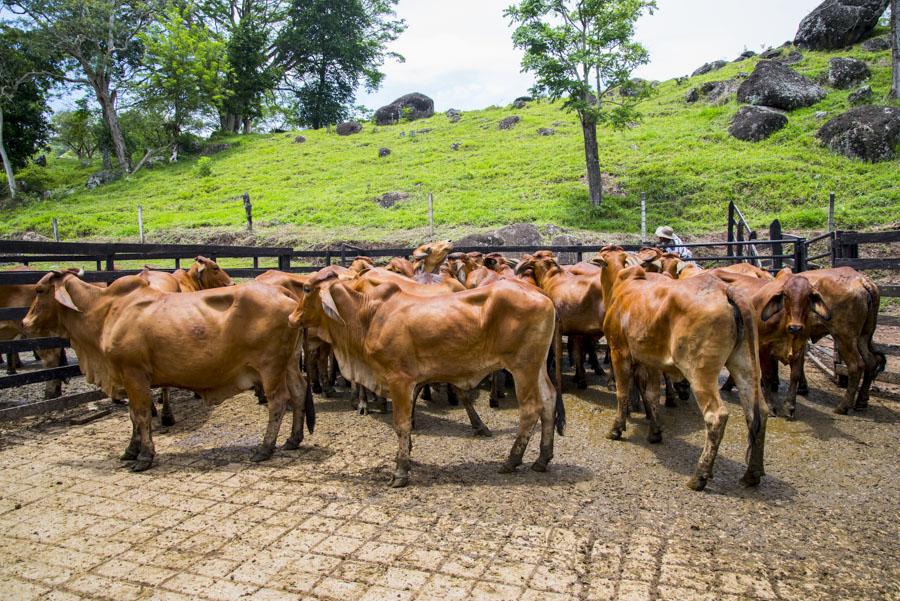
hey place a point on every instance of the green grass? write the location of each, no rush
(323, 190)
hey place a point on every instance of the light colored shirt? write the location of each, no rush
(676, 248)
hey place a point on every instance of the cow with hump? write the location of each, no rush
(690, 329)
(391, 341)
(130, 337)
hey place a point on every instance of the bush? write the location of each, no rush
(204, 167)
(33, 178)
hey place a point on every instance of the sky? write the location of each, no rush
(459, 52)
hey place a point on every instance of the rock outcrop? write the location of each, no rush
(839, 23)
(708, 68)
(755, 123)
(348, 128)
(775, 85)
(869, 133)
(844, 73)
(411, 106)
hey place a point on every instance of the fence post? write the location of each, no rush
(141, 223)
(284, 262)
(643, 218)
(55, 229)
(578, 255)
(110, 263)
(730, 223)
(800, 255)
(831, 224)
(777, 248)
(739, 248)
(430, 215)
(343, 255)
(248, 208)
(327, 257)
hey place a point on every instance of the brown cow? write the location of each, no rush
(204, 274)
(389, 341)
(22, 295)
(429, 257)
(578, 300)
(854, 300)
(690, 329)
(784, 307)
(129, 337)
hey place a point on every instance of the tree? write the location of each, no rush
(895, 43)
(334, 47)
(251, 77)
(582, 51)
(100, 37)
(26, 76)
(184, 68)
(78, 130)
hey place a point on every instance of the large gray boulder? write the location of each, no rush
(348, 128)
(520, 234)
(412, 106)
(778, 86)
(486, 239)
(844, 73)
(709, 68)
(839, 23)
(755, 123)
(870, 133)
(879, 44)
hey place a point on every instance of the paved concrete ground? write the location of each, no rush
(609, 520)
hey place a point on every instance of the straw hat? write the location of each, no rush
(664, 231)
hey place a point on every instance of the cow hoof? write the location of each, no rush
(261, 455)
(539, 466)
(654, 437)
(483, 432)
(291, 444)
(614, 435)
(803, 390)
(363, 410)
(167, 420)
(494, 404)
(142, 465)
(750, 479)
(581, 384)
(697, 483)
(789, 415)
(131, 453)
(317, 388)
(507, 468)
(398, 481)
(840, 410)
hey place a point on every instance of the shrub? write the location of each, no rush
(204, 167)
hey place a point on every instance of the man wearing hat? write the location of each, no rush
(671, 243)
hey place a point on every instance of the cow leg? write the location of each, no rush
(729, 384)
(740, 365)
(649, 380)
(260, 394)
(580, 375)
(153, 411)
(796, 370)
(529, 394)
(401, 395)
(277, 392)
(768, 365)
(11, 360)
(140, 400)
(548, 406)
(670, 392)
(715, 415)
(452, 396)
(301, 392)
(361, 398)
(854, 362)
(875, 363)
(479, 426)
(624, 372)
(426, 393)
(167, 418)
(313, 369)
(570, 350)
(803, 386)
(327, 385)
(496, 389)
(683, 388)
(592, 356)
(52, 358)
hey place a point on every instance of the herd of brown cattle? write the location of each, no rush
(455, 319)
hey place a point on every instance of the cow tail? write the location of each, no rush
(309, 407)
(746, 330)
(559, 417)
(873, 301)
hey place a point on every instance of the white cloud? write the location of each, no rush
(460, 53)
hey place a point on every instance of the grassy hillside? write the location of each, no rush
(324, 189)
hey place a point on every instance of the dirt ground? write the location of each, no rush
(610, 520)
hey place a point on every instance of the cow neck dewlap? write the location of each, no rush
(85, 330)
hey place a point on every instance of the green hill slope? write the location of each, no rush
(324, 189)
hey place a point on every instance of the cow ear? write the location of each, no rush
(201, 268)
(680, 267)
(63, 298)
(818, 306)
(773, 306)
(328, 305)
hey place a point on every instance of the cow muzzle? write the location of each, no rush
(795, 328)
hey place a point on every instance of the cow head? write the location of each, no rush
(360, 265)
(655, 260)
(317, 301)
(497, 262)
(401, 266)
(51, 298)
(459, 266)
(208, 274)
(428, 257)
(789, 300)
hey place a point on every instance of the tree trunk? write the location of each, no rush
(248, 125)
(895, 42)
(7, 166)
(592, 160)
(107, 102)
